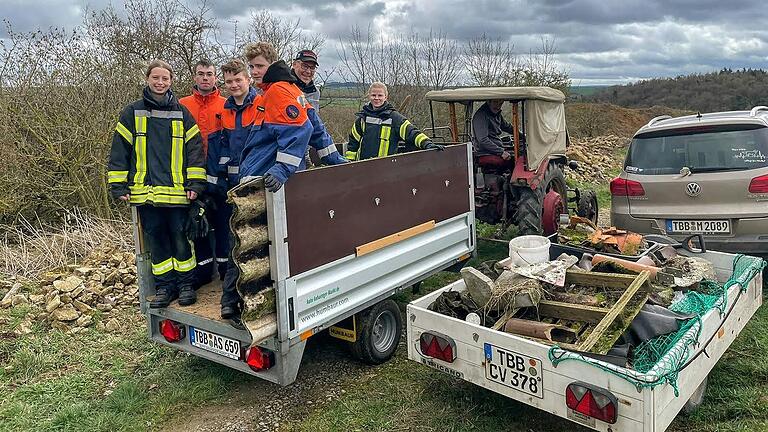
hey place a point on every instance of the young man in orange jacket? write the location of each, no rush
(206, 105)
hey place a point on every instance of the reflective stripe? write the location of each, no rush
(351, 155)
(326, 151)
(223, 160)
(140, 123)
(384, 141)
(184, 266)
(196, 173)
(355, 133)
(221, 260)
(248, 178)
(205, 261)
(117, 176)
(420, 139)
(163, 267)
(158, 194)
(124, 132)
(376, 120)
(177, 151)
(194, 130)
(288, 159)
(160, 114)
(211, 179)
(404, 129)
(233, 169)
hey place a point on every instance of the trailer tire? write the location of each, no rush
(696, 398)
(378, 333)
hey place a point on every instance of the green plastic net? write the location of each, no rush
(660, 360)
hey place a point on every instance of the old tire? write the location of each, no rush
(378, 333)
(530, 203)
(587, 206)
(696, 398)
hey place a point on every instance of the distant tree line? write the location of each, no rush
(724, 90)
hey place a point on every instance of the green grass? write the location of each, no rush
(97, 381)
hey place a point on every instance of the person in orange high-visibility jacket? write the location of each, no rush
(206, 105)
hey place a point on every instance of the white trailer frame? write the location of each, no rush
(650, 409)
(344, 287)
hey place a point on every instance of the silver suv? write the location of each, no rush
(704, 173)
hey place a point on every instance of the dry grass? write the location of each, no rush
(29, 248)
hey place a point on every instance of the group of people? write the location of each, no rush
(175, 159)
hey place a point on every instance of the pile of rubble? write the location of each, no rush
(68, 301)
(599, 158)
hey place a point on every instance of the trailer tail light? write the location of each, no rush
(259, 359)
(171, 330)
(624, 187)
(592, 401)
(439, 347)
(759, 184)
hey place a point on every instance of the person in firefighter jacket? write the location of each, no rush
(224, 149)
(156, 164)
(379, 128)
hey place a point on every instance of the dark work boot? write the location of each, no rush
(187, 296)
(163, 298)
(229, 312)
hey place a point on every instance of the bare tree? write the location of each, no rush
(287, 36)
(490, 62)
(441, 59)
(542, 68)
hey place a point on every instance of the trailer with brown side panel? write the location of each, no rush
(339, 241)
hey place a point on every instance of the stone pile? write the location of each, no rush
(69, 301)
(600, 158)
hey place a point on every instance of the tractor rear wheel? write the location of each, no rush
(529, 213)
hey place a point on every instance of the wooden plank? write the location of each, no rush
(617, 308)
(394, 238)
(574, 312)
(596, 279)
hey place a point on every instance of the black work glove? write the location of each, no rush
(197, 223)
(271, 183)
(431, 145)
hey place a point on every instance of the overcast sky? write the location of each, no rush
(597, 41)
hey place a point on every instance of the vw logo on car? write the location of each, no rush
(692, 189)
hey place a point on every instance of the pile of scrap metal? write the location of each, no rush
(589, 305)
(250, 253)
(582, 232)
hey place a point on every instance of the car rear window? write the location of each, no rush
(701, 149)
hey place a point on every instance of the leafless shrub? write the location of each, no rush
(31, 247)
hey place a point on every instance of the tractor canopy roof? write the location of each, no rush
(470, 94)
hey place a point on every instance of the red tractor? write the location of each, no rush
(531, 192)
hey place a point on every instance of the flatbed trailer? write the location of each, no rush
(527, 371)
(342, 240)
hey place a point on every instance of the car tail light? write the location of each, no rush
(171, 330)
(259, 359)
(592, 401)
(759, 184)
(624, 187)
(438, 347)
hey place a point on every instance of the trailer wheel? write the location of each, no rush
(378, 333)
(696, 398)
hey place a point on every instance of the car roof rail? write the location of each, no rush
(658, 118)
(754, 110)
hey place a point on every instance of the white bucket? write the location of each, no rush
(529, 249)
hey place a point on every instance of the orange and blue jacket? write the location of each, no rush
(281, 133)
(226, 144)
(206, 110)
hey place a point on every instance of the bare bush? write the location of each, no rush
(32, 247)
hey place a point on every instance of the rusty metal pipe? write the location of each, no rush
(540, 330)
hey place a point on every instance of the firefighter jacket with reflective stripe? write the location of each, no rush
(157, 153)
(226, 145)
(280, 135)
(206, 110)
(376, 133)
